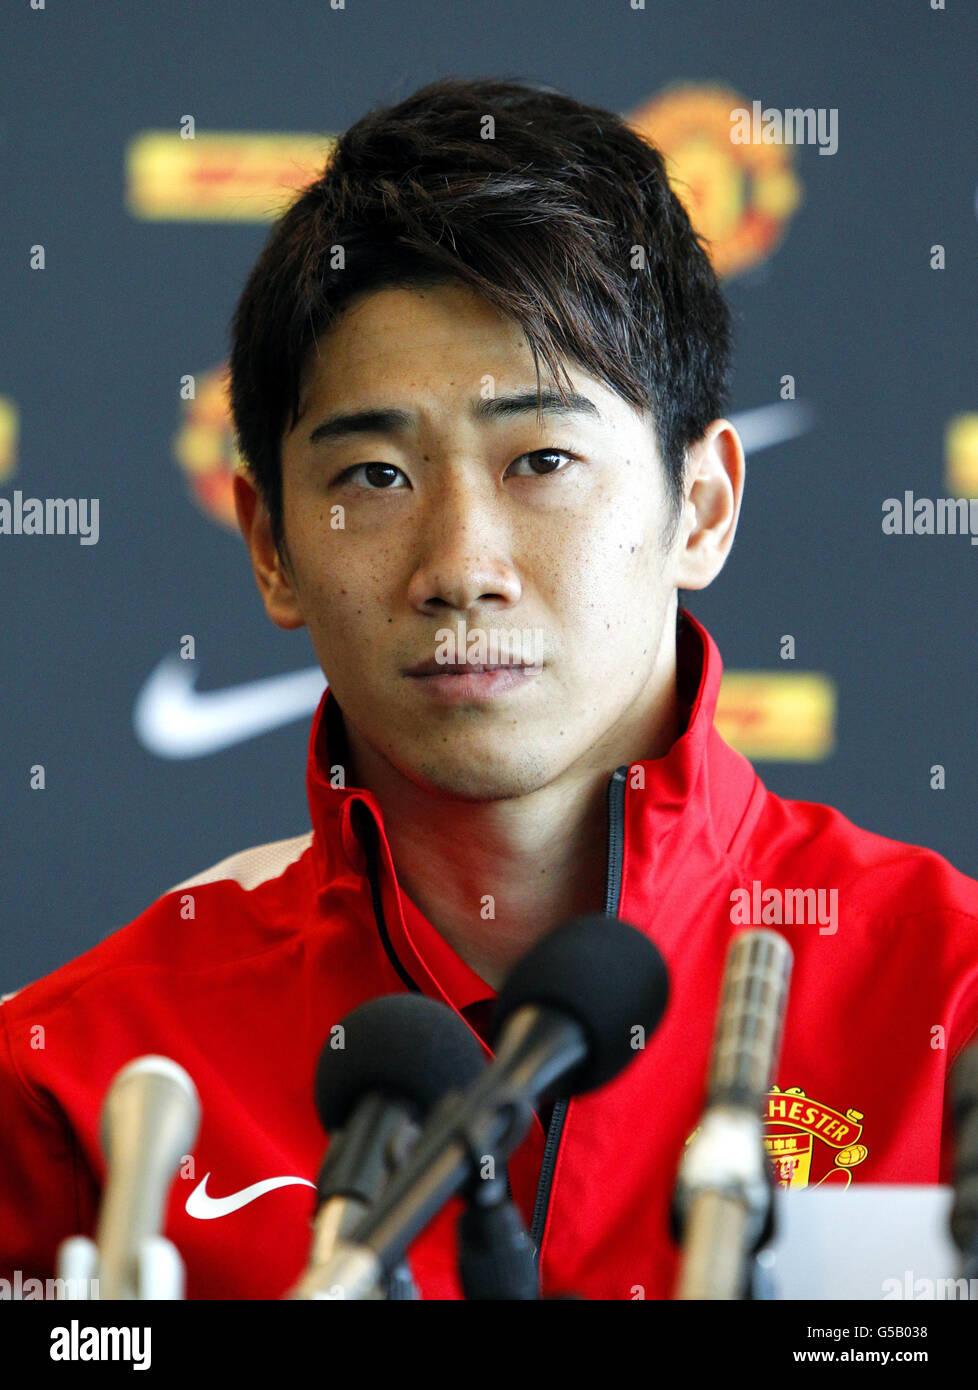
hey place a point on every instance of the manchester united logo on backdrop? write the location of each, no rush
(739, 196)
(811, 1144)
(204, 446)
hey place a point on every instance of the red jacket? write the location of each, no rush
(239, 973)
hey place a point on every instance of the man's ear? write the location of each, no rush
(275, 582)
(714, 490)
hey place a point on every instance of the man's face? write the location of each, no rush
(548, 534)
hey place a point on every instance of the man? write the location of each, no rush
(518, 729)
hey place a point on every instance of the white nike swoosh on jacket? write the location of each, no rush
(207, 1208)
(174, 720)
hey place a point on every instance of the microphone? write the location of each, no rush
(723, 1195)
(964, 1209)
(566, 1021)
(150, 1118)
(401, 1054)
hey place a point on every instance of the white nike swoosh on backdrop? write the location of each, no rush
(174, 720)
(207, 1208)
(767, 425)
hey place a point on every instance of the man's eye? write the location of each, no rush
(548, 459)
(378, 476)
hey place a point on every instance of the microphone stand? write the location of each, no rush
(496, 1255)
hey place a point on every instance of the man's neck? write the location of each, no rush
(493, 877)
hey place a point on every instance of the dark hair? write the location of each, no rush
(564, 220)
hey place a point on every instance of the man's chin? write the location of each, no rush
(488, 779)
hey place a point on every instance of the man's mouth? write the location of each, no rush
(456, 683)
(466, 668)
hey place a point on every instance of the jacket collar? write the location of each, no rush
(693, 799)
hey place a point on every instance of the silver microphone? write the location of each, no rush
(150, 1119)
(723, 1193)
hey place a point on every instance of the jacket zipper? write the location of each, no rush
(366, 830)
(612, 901)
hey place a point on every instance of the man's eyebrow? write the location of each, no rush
(395, 421)
(520, 402)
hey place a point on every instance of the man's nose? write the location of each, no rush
(465, 552)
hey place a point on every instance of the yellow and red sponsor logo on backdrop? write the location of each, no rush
(220, 176)
(739, 197)
(961, 455)
(780, 716)
(9, 429)
(810, 1144)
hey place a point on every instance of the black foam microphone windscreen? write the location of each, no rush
(605, 974)
(403, 1045)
